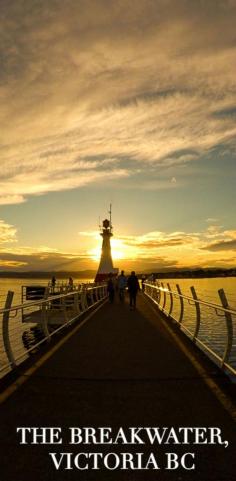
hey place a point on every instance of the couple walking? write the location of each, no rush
(122, 282)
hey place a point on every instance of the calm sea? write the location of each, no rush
(213, 327)
(15, 285)
(207, 289)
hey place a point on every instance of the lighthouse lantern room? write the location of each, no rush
(106, 264)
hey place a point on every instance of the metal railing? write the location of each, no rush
(219, 346)
(25, 327)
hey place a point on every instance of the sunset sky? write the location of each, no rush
(129, 102)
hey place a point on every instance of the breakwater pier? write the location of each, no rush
(104, 366)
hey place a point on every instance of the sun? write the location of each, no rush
(117, 250)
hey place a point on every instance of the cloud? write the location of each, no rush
(84, 86)
(214, 231)
(225, 240)
(45, 180)
(7, 233)
(8, 264)
(11, 199)
(222, 246)
(150, 251)
(33, 260)
(156, 239)
(171, 249)
(211, 219)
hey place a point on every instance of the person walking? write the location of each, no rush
(122, 283)
(133, 288)
(111, 289)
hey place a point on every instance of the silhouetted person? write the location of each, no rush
(111, 289)
(133, 288)
(70, 283)
(122, 283)
(53, 283)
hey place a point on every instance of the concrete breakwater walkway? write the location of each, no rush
(122, 369)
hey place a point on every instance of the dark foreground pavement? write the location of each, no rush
(122, 369)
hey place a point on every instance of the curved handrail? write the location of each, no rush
(200, 301)
(55, 311)
(18, 307)
(226, 311)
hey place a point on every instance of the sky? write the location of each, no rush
(129, 102)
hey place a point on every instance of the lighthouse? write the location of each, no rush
(106, 264)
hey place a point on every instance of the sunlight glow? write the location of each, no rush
(118, 250)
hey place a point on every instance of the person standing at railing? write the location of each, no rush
(142, 281)
(133, 288)
(122, 283)
(70, 284)
(53, 283)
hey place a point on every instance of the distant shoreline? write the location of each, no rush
(90, 274)
(47, 275)
(195, 273)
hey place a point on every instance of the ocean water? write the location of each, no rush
(15, 285)
(207, 289)
(213, 329)
(17, 329)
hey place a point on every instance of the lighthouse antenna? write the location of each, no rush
(110, 216)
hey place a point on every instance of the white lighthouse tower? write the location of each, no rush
(106, 264)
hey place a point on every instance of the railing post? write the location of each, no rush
(229, 325)
(90, 296)
(95, 297)
(76, 302)
(84, 299)
(64, 309)
(181, 315)
(5, 330)
(81, 300)
(44, 321)
(171, 299)
(156, 294)
(159, 296)
(164, 293)
(151, 291)
(198, 313)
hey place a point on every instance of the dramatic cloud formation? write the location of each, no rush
(158, 250)
(136, 97)
(148, 252)
(98, 89)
